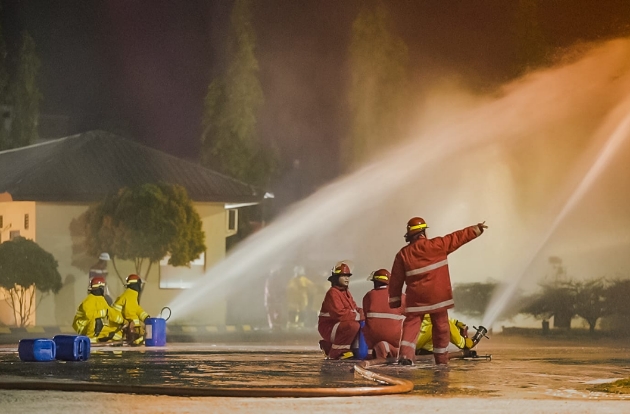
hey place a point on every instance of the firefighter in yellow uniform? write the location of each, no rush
(95, 318)
(458, 336)
(132, 312)
(299, 291)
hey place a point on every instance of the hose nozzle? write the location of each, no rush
(481, 333)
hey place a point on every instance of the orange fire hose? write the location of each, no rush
(393, 386)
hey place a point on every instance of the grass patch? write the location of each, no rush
(617, 387)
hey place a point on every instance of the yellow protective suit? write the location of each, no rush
(299, 292)
(425, 340)
(128, 305)
(90, 310)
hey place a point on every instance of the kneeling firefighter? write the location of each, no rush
(383, 325)
(127, 304)
(339, 317)
(95, 318)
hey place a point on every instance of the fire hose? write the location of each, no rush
(388, 385)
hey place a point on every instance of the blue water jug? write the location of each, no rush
(41, 350)
(72, 347)
(155, 329)
(360, 350)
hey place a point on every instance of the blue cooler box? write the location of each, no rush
(72, 347)
(41, 350)
(155, 334)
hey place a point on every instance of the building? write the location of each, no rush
(45, 188)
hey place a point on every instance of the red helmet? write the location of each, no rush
(97, 282)
(342, 269)
(381, 275)
(132, 278)
(414, 226)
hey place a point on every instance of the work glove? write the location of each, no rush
(468, 343)
(463, 328)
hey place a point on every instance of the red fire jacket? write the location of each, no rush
(338, 306)
(381, 322)
(423, 266)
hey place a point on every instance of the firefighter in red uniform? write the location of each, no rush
(339, 316)
(383, 325)
(423, 266)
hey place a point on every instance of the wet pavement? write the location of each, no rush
(524, 374)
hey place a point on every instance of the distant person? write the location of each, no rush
(383, 325)
(127, 304)
(339, 316)
(274, 300)
(423, 266)
(458, 336)
(99, 269)
(95, 318)
(299, 290)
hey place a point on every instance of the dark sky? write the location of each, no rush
(144, 66)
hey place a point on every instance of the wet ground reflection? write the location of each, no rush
(517, 369)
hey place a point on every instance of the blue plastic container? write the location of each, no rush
(155, 334)
(360, 348)
(72, 347)
(40, 350)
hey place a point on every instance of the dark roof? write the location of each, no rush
(89, 166)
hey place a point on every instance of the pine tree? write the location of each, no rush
(229, 140)
(25, 96)
(379, 90)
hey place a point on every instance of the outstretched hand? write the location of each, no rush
(482, 226)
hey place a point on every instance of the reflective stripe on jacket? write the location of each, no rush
(92, 308)
(381, 322)
(128, 305)
(422, 265)
(338, 306)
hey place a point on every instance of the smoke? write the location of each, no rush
(514, 160)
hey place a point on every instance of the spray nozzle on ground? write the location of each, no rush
(481, 333)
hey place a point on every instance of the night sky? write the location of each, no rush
(144, 66)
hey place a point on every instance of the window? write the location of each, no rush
(26, 221)
(181, 277)
(232, 219)
(1, 223)
(13, 234)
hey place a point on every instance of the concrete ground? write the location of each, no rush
(525, 375)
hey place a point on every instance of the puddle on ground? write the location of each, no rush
(517, 369)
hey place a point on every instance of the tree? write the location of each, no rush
(590, 300)
(229, 140)
(616, 297)
(472, 299)
(145, 224)
(24, 267)
(25, 96)
(554, 299)
(566, 299)
(379, 89)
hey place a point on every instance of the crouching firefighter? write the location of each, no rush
(458, 337)
(339, 317)
(383, 325)
(127, 304)
(95, 318)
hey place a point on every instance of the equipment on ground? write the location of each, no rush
(156, 329)
(481, 333)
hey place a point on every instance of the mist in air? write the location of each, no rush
(542, 162)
